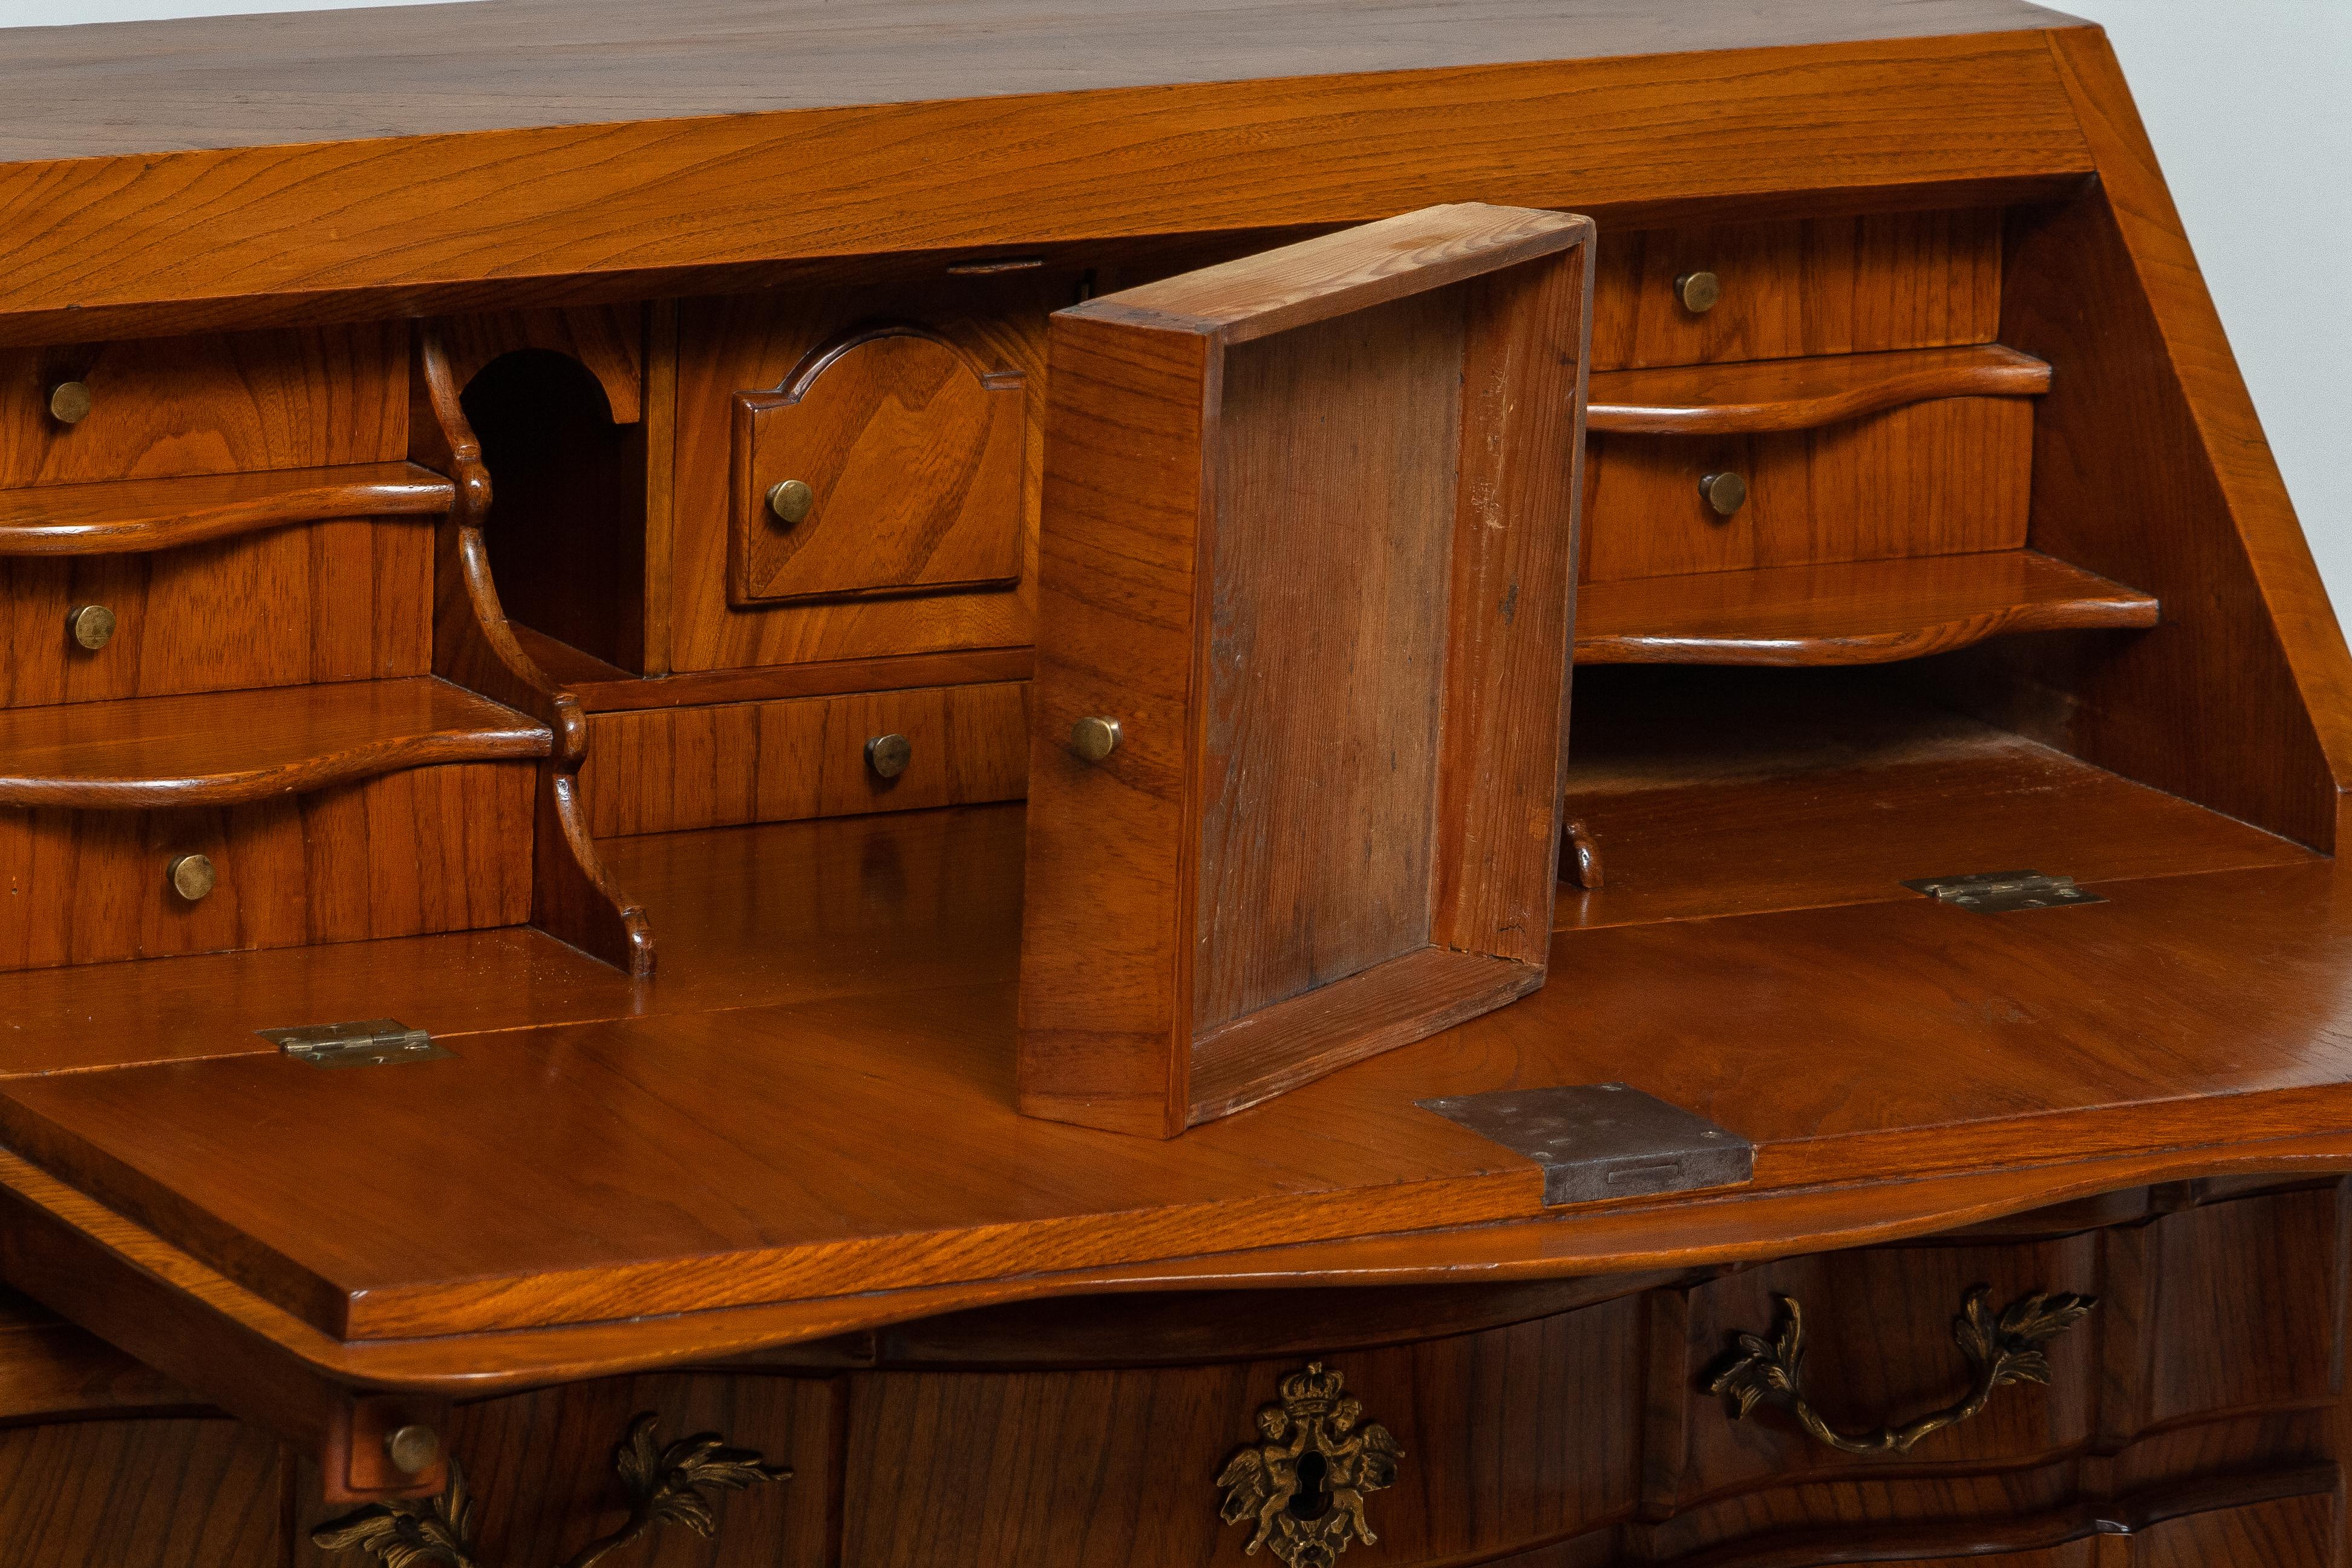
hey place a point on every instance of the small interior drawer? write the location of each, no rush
(344, 600)
(1852, 284)
(662, 769)
(430, 849)
(1947, 477)
(215, 403)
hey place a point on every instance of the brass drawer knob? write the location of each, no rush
(790, 500)
(1698, 291)
(1094, 738)
(2007, 1349)
(1724, 493)
(92, 625)
(887, 755)
(1300, 1486)
(70, 402)
(193, 877)
(411, 1449)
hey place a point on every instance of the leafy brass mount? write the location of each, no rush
(665, 1486)
(2000, 1351)
(1304, 1481)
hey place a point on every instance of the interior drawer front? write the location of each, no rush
(1854, 284)
(1879, 1351)
(1509, 1437)
(909, 421)
(1929, 478)
(347, 600)
(432, 849)
(669, 768)
(215, 403)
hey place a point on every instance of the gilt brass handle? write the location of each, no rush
(2007, 1349)
(665, 1486)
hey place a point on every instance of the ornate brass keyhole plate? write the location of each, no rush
(1301, 1486)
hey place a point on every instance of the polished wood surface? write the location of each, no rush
(1861, 612)
(1838, 284)
(2001, 467)
(1799, 395)
(744, 344)
(225, 748)
(1206, 580)
(426, 848)
(167, 407)
(423, 221)
(161, 514)
(916, 460)
(347, 600)
(1944, 478)
(664, 769)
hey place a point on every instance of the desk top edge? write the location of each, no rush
(145, 88)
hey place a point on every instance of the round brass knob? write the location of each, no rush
(70, 403)
(1698, 291)
(790, 500)
(1094, 739)
(193, 877)
(887, 755)
(92, 625)
(411, 1449)
(1725, 492)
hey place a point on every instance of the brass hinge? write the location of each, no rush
(2001, 892)
(377, 1042)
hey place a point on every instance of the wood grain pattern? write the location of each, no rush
(1334, 485)
(608, 693)
(123, 515)
(233, 747)
(732, 346)
(1800, 394)
(1114, 1466)
(1847, 284)
(1782, 790)
(2022, 1050)
(1215, 430)
(1927, 478)
(50, 1368)
(917, 457)
(665, 769)
(159, 1494)
(2150, 468)
(422, 219)
(349, 599)
(216, 404)
(1864, 612)
(430, 849)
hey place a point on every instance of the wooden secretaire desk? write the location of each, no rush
(847, 726)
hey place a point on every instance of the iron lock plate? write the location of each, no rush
(1599, 1140)
(2004, 892)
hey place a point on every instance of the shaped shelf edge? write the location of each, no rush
(126, 516)
(1860, 612)
(1802, 393)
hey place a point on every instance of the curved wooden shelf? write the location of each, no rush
(125, 516)
(1802, 393)
(219, 747)
(1860, 612)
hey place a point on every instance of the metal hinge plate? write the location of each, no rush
(1598, 1141)
(2001, 892)
(377, 1042)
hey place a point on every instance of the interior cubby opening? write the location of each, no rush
(566, 532)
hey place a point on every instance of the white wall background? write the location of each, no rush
(2246, 101)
